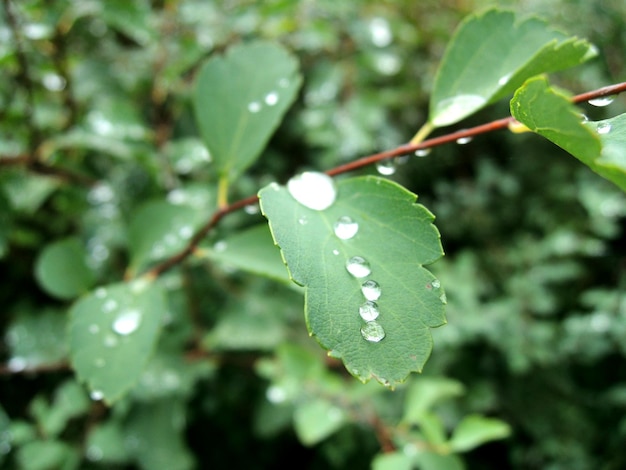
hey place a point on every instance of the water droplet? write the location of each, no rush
(436, 284)
(100, 293)
(17, 364)
(346, 228)
(109, 306)
(283, 82)
(386, 167)
(185, 232)
(303, 220)
(372, 331)
(604, 128)
(275, 394)
(504, 79)
(464, 140)
(94, 453)
(96, 395)
(53, 82)
(254, 106)
(127, 322)
(314, 190)
(371, 290)
(251, 209)
(220, 246)
(602, 101)
(94, 329)
(380, 32)
(358, 266)
(443, 298)
(335, 252)
(369, 311)
(271, 98)
(422, 152)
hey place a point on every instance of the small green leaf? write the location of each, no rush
(105, 444)
(392, 461)
(475, 430)
(112, 333)
(599, 145)
(240, 99)
(316, 420)
(61, 269)
(159, 229)
(433, 461)
(490, 55)
(425, 392)
(396, 237)
(70, 401)
(251, 250)
(47, 455)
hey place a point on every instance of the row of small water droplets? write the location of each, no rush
(317, 191)
(600, 102)
(270, 99)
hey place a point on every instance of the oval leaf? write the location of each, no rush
(599, 145)
(490, 55)
(61, 269)
(396, 237)
(475, 430)
(240, 99)
(112, 333)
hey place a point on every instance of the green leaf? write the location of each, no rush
(61, 269)
(105, 444)
(490, 55)
(47, 455)
(425, 392)
(37, 338)
(316, 420)
(433, 461)
(159, 229)
(70, 401)
(240, 98)
(251, 250)
(475, 430)
(392, 461)
(112, 333)
(397, 238)
(26, 192)
(599, 145)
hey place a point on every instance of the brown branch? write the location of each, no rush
(366, 161)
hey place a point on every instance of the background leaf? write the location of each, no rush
(112, 334)
(396, 237)
(62, 270)
(490, 55)
(475, 430)
(239, 101)
(599, 145)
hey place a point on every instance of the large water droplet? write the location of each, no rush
(372, 331)
(602, 101)
(314, 190)
(271, 98)
(386, 167)
(358, 266)
(254, 106)
(369, 311)
(371, 290)
(127, 322)
(604, 128)
(346, 228)
(422, 152)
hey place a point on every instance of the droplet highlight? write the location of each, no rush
(422, 152)
(358, 266)
(127, 322)
(464, 140)
(312, 189)
(603, 128)
(271, 98)
(345, 228)
(254, 107)
(373, 332)
(602, 101)
(371, 290)
(369, 311)
(386, 167)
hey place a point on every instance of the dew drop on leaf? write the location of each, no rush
(372, 331)
(369, 311)
(504, 79)
(422, 152)
(358, 266)
(371, 290)
(386, 167)
(312, 189)
(254, 107)
(303, 220)
(443, 298)
(436, 284)
(96, 395)
(127, 322)
(100, 293)
(335, 252)
(271, 98)
(604, 128)
(602, 101)
(346, 228)
(109, 306)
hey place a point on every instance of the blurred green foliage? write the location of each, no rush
(100, 93)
